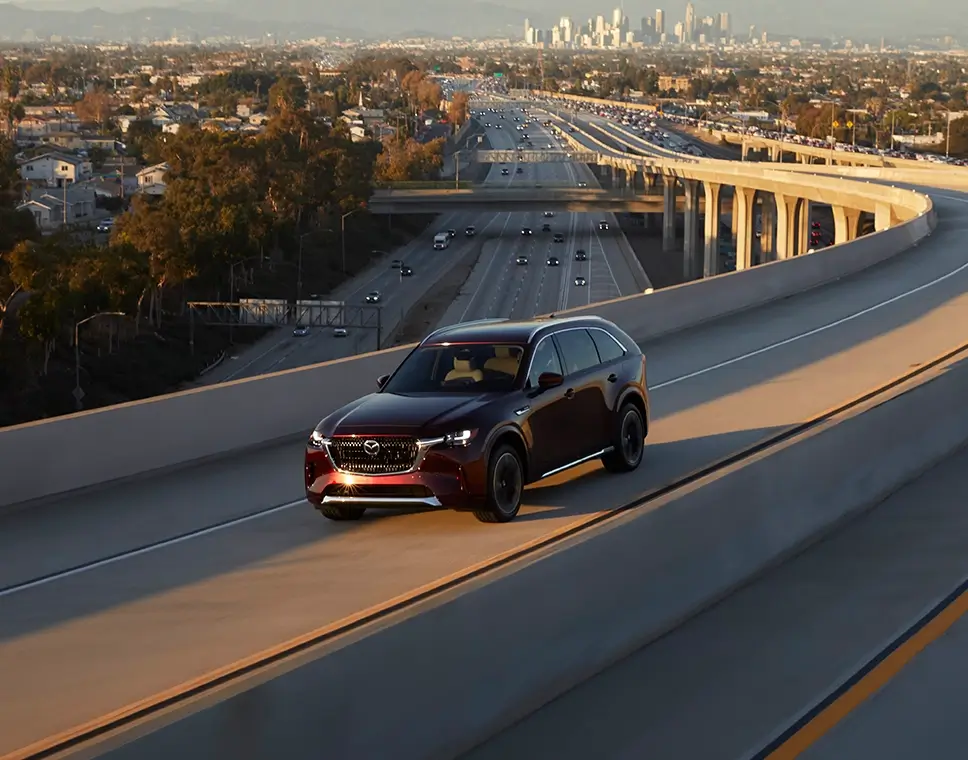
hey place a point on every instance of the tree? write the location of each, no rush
(96, 106)
(458, 110)
(287, 95)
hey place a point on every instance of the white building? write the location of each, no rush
(53, 169)
(151, 179)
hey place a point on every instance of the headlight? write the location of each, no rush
(317, 440)
(460, 438)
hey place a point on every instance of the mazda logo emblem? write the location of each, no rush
(372, 448)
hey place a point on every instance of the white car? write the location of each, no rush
(580, 281)
(339, 332)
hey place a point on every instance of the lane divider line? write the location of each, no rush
(873, 676)
(126, 716)
(145, 549)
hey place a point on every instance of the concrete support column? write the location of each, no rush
(803, 226)
(669, 214)
(621, 178)
(786, 226)
(711, 223)
(845, 224)
(776, 154)
(734, 221)
(804, 158)
(884, 217)
(746, 150)
(767, 227)
(744, 200)
(691, 249)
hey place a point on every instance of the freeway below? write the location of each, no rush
(110, 597)
(611, 269)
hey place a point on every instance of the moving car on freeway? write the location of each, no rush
(580, 255)
(479, 410)
(470, 231)
(373, 296)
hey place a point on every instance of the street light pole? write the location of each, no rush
(78, 391)
(342, 235)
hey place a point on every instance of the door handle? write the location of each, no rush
(570, 393)
(612, 378)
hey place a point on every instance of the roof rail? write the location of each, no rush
(445, 328)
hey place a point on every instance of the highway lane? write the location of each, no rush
(724, 684)
(498, 287)
(95, 638)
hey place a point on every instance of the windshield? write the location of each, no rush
(458, 368)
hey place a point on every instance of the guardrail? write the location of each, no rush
(425, 185)
(173, 430)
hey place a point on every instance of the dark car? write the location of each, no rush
(504, 172)
(526, 231)
(553, 261)
(559, 238)
(580, 255)
(519, 170)
(470, 231)
(406, 271)
(546, 228)
(603, 225)
(479, 410)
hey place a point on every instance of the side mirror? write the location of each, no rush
(548, 380)
(382, 380)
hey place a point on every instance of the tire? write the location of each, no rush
(505, 486)
(340, 512)
(628, 441)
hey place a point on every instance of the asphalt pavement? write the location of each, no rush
(108, 597)
(724, 684)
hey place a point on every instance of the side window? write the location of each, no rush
(545, 360)
(608, 349)
(577, 350)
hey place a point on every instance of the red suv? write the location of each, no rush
(479, 410)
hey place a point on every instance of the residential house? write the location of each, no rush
(51, 209)
(75, 141)
(151, 179)
(54, 169)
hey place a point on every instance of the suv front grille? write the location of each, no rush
(394, 454)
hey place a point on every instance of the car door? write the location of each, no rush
(584, 392)
(548, 412)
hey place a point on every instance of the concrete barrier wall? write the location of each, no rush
(533, 632)
(132, 439)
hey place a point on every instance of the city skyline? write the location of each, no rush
(617, 31)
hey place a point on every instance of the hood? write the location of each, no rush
(395, 414)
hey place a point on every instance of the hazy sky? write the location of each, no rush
(859, 18)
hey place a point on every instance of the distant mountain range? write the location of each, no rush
(283, 19)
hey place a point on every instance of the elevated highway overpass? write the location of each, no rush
(169, 593)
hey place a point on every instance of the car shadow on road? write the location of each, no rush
(589, 488)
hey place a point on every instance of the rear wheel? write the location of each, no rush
(341, 512)
(505, 486)
(628, 441)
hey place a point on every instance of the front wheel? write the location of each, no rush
(340, 512)
(628, 441)
(505, 486)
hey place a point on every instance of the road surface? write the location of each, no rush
(722, 685)
(107, 598)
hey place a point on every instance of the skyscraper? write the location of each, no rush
(689, 28)
(617, 17)
(724, 25)
(527, 31)
(659, 22)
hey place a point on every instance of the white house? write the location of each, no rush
(53, 169)
(51, 209)
(151, 179)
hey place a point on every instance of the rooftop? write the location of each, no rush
(500, 330)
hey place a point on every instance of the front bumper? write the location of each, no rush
(448, 478)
